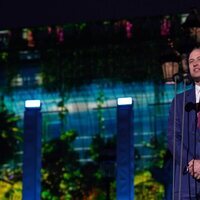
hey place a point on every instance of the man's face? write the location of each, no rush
(194, 64)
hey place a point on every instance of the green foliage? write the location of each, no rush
(62, 71)
(10, 67)
(158, 147)
(63, 111)
(146, 187)
(96, 146)
(100, 103)
(102, 149)
(10, 190)
(3, 56)
(64, 68)
(10, 135)
(102, 168)
(61, 169)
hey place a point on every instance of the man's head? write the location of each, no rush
(194, 65)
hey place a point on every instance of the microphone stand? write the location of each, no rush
(177, 79)
(186, 81)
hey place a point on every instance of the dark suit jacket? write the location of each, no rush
(185, 127)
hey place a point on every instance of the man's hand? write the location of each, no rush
(194, 168)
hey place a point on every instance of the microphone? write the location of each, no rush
(177, 78)
(187, 79)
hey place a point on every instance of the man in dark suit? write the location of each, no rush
(184, 136)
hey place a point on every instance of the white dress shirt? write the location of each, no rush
(197, 93)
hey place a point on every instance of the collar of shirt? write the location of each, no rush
(197, 93)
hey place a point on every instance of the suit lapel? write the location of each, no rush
(190, 99)
(190, 96)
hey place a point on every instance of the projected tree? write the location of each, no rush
(10, 134)
(10, 139)
(61, 170)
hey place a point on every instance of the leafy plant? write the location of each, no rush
(61, 169)
(146, 187)
(10, 134)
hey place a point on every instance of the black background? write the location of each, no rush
(21, 13)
